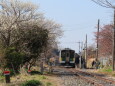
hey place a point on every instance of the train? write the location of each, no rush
(67, 57)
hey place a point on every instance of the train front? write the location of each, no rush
(67, 57)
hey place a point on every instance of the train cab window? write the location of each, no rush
(71, 54)
(63, 55)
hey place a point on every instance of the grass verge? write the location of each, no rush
(19, 79)
(107, 71)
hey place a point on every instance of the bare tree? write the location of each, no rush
(16, 16)
(12, 14)
(105, 40)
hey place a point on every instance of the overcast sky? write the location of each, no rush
(78, 18)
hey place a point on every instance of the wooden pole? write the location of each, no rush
(97, 48)
(86, 52)
(113, 57)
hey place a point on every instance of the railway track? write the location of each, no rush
(74, 77)
(69, 78)
(93, 79)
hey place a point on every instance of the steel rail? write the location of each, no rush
(89, 80)
(98, 77)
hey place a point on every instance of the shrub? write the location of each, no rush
(48, 84)
(1, 78)
(13, 59)
(43, 77)
(32, 83)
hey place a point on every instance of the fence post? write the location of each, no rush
(7, 76)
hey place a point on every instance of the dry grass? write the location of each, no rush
(89, 62)
(19, 79)
(106, 71)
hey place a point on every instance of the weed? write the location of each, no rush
(48, 84)
(32, 83)
(43, 77)
(1, 78)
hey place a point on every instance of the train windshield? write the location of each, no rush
(72, 54)
(63, 55)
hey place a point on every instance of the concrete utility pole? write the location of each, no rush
(86, 51)
(97, 48)
(79, 53)
(114, 43)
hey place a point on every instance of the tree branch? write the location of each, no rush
(104, 3)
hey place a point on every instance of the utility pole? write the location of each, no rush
(97, 48)
(79, 46)
(113, 57)
(86, 51)
(79, 53)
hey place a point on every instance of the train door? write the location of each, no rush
(67, 56)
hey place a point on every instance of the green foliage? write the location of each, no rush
(107, 70)
(13, 59)
(29, 47)
(36, 39)
(1, 77)
(48, 84)
(32, 83)
(43, 77)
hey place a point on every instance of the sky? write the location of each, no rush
(77, 17)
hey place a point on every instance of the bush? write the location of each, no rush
(35, 72)
(1, 78)
(32, 83)
(48, 84)
(14, 59)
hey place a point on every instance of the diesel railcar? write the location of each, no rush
(67, 57)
